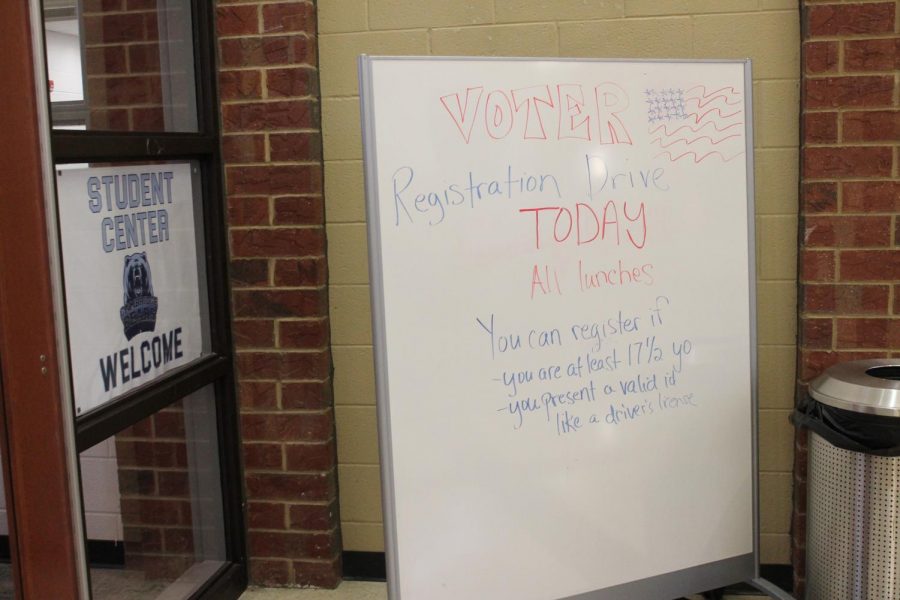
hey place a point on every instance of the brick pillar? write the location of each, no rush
(273, 166)
(154, 496)
(850, 196)
(122, 65)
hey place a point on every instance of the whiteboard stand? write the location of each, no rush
(482, 499)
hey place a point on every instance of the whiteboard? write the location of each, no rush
(562, 270)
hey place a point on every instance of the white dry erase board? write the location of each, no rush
(561, 256)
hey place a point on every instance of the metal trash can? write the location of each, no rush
(853, 513)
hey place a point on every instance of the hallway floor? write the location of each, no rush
(361, 590)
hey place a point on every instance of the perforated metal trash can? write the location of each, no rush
(853, 513)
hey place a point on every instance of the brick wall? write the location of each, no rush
(272, 151)
(850, 196)
(122, 66)
(154, 493)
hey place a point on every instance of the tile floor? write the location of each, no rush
(359, 590)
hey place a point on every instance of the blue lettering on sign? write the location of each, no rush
(135, 361)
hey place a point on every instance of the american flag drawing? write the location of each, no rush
(696, 123)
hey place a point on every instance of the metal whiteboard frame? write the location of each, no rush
(686, 581)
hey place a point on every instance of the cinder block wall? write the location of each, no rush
(850, 252)
(765, 30)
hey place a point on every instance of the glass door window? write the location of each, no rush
(142, 248)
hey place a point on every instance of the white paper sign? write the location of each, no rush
(131, 276)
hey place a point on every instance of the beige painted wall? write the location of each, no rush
(765, 30)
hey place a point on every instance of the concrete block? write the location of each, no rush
(770, 39)
(341, 134)
(523, 11)
(338, 55)
(348, 254)
(354, 375)
(632, 38)
(350, 315)
(344, 192)
(402, 14)
(501, 40)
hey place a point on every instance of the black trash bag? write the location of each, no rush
(858, 432)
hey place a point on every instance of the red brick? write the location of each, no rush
(263, 457)
(143, 5)
(244, 148)
(248, 211)
(179, 541)
(896, 308)
(266, 515)
(307, 395)
(814, 362)
(819, 197)
(279, 303)
(817, 265)
(846, 231)
(295, 49)
(816, 333)
(292, 82)
(237, 20)
(840, 92)
(872, 55)
(289, 16)
(293, 544)
(137, 482)
(240, 85)
(870, 265)
(290, 487)
(148, 119)
(152, 454)
(283, 365)
(850, 161)
(304, 272)
(101, 6)
(284, 241)
(313, 517)
(127, 91)
(248, 272)
(820, 57)
(288, 427)
(271, 572)
(303, 334)
(256, 333)
(109, 120)
(169, 424)
(258, 395)
(820, 128)
(105, 60)
(299, 146)
(142, 539)
(143, 58)
(871, 196)
(845, 299)
(310, 457)
(871, 126)
(868, 333)
(141, 429)
(296, 210)
(270, 116)
(151, 26)
(318, 574)
(174, 483)
(850, 19)
(275, 179)
(113, 29)
(151, 511)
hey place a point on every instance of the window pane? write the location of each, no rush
(121, 65)
(135, 275)
(159, 481)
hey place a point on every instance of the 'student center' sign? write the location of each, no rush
(129, 248)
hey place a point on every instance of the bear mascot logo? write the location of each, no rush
(140, 305)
